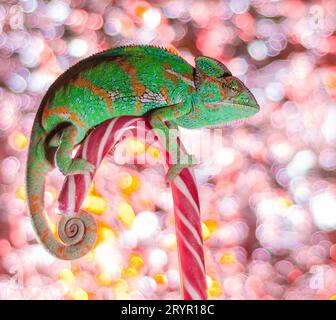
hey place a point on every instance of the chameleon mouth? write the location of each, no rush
(236, 105)
(225, 125)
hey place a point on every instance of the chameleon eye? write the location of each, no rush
(233, 88)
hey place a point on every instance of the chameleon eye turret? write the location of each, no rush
(220, 97)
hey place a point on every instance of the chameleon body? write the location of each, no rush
(131, 80)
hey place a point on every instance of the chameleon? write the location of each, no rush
(134, 80)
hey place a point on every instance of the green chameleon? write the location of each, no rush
(134, 81)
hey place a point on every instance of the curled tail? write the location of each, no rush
(77, 232)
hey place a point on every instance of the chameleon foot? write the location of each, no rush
(79, 166)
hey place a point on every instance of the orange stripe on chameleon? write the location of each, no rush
(171, 77)
(35, 207)
(210, 95)
(188, 76)
(166, 65)
(87, 246)
(169, 74)
(138, 106)
(164, 92)
(60, 252)
(63, 110)
(87, 84)
(44, 235)
(223, 94)
(138, 87)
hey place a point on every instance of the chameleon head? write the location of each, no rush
(222, 97)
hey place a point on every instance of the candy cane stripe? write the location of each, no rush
(190, 289)
(103, 142)
(192, 251)
(183, 189)
(190, 227)
(124, 129)
(87, 182)
(85, 146)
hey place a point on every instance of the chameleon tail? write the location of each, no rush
(77, 232)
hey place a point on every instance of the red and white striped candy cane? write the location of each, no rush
(184, 190)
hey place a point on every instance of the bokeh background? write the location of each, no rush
(267, 190)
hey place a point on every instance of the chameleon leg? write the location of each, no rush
(63, 158)
(158, 120)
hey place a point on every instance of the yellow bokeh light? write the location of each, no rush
(154, 152)
(141, 8)
(160, 278)
(128, 183)
(120, 285)
(104, 279)
(130, 272)
(105, 234)
(92, 190)
(135, 147)
(21, 193)
(95, 204)
(67, 276)
(125, 214)
(332, 297)
(205, 231)
(227, 258)
(215, 289)
(136, 261)
(20, 141)
(212, 225)
(78, 294)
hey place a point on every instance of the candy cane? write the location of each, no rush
(184, 191)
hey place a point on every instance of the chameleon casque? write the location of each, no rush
(131, 80)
